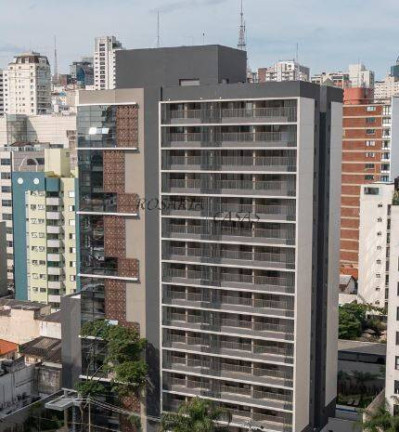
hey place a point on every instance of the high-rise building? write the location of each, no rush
(82, 72)
(392, 362)
(336, 79)
(289, 70)
(359, 76)
(367, 157)
(240, 309)
(104, 62)
(27, 85)
(374, 243)
(44, 230)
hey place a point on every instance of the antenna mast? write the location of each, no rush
(158, 32)
(242, 43)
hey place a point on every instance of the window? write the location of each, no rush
(397, 289)
(72, 208)
(189, 82)
(369, 177)
(6, 189)
(370, 131)
(370, 154)
(71, 194)
(370, 143)
(5, 162)
(397, 314)
(71, 222)
(72, 250)
(370, 120)
(7, 216)
(396, 387)
(6, 203)
(72, 278)
(371, 108)
(397, 338)
(5, 176)
(369, 166)
(72, 236)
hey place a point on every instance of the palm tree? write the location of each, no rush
(380, 420)
(197, 415)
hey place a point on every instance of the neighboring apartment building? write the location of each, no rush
(359, 76)
(27, 85)
(374, 241)
(104, 62)
(247, 310)
(392, 363)
(44, 230)
(367, 157)
(289, 70)
(386, 89)
(1, 93)
(336, 79)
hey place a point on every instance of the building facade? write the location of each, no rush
(238, 309)
(367, 157)
(359, 76)
(336, 79)
(386, 89)
(27, 85)
(104, 62)
(392, 363)
(374, 241)
(284, 71)
(45, 231)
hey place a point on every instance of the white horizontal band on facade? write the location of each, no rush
(109, 148)
(106, 104)
(96, 276)
(107, 214)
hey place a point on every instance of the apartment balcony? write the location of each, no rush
(54, 285)
(54, 243)
(229, 326)
(256, 350)
(255, 374)
(53, 201)
(239, 140)
(240, 417)
(54, 215)
(245, 282)
(230, 163)
(54, 299)
(55, 271)
(56, 257)
(54, 229)
(228, 393)
(231, 303)
(233, 234)
(197, 208)
(273, 188)
(225, 256)
(231, 115)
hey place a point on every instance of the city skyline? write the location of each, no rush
(321, 32)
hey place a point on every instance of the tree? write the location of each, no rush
(120, 358)
(197, 415)
(380, 420)
(362, 378)
(351, 319)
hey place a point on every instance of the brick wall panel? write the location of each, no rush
(114, 171)
(114, 237)
(127, 133)
(128, 203)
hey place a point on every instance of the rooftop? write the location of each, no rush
(7, 347)
(46, 348)
(362, 347)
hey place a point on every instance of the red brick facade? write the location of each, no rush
(361, 164)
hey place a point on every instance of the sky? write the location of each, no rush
(330, 34)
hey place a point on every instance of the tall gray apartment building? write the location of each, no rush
(208, 212)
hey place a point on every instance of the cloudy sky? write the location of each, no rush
(330, 34)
